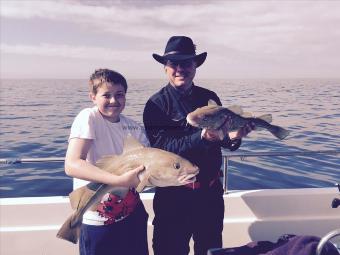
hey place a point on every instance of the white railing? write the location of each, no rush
(10, 161)
(243, 155)
(226, 157)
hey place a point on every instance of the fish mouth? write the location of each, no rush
(189, 178)
(192, 179)
(186, 179)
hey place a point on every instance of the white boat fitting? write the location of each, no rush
(28, 226)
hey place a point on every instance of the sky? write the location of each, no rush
(244, 39)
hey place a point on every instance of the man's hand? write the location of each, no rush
(243, 131)
(211, 135)
(219, 134)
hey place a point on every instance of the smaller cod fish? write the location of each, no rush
(214, 116)
(162, 168)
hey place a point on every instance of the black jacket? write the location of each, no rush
(166, 127)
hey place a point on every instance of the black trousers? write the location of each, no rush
(126, 237)
(182, 213)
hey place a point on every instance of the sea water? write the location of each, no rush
(36, 116)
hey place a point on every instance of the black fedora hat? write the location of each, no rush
(180, 48)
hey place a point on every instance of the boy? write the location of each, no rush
(96, 132)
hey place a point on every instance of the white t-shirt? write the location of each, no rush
(108, 139)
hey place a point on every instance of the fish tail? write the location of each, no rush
(69, 231)
(80, 200)
(75, 197)
(266, 117)
(279, 132)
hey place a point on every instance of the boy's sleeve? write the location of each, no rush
(83, 126)
(141, 135)
(143, 139)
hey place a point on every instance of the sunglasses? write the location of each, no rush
(181, 63)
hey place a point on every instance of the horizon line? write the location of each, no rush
(201, 78)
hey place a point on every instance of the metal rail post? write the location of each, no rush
(225, 174)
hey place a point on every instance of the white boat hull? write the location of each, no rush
(29, 225)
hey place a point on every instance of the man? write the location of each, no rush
(195, 210)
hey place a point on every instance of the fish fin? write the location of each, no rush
(212, 102)
(80, 196)
(280, 132)
(75, 197)
(148, 188)
(236, 109)
(130, 143)
(143, 183)
(105, 161)
(221, 134)
(247, 115)
(69, 233)
(266, 117)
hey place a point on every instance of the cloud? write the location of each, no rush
(255, 33)
(268, 25)
(69, 51)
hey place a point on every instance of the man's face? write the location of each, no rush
(180, 73)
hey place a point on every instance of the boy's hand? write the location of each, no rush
(130, 178)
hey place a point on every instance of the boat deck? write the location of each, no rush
(29, 225)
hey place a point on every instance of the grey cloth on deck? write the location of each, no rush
(286, 245)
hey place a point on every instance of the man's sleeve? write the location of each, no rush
(162, 134)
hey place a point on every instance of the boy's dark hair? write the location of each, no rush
(101, 76)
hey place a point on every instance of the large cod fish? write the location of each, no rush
(214, 116)
(162, 169)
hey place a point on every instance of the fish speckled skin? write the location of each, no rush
(213, 116)
(162, 169)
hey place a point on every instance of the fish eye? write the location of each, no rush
(177, 165)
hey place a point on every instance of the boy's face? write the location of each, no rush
(110, 100)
